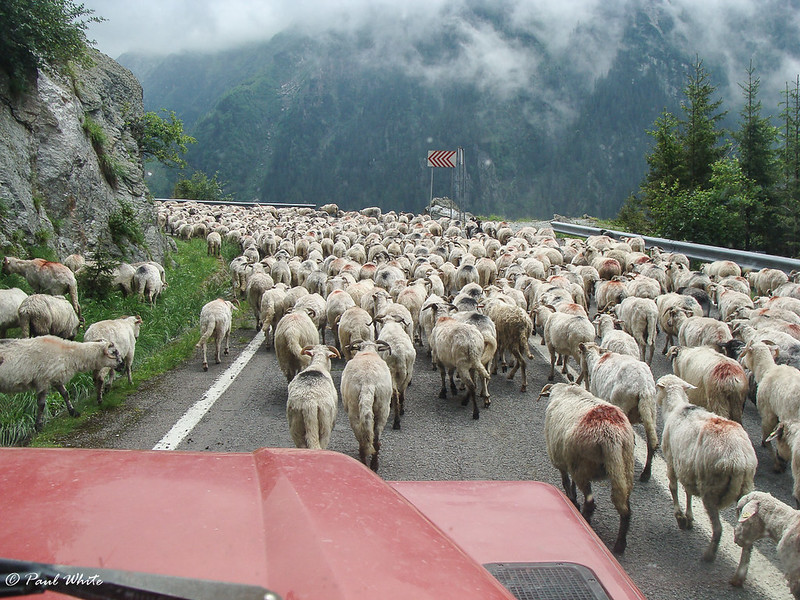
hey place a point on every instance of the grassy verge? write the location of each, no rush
(168, 333)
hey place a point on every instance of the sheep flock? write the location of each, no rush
(370, 291)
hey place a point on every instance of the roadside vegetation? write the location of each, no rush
(168, 333)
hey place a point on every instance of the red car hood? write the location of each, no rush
(304, 524)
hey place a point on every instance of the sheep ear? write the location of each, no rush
(776, 434)
(545, 391)
(748, 510)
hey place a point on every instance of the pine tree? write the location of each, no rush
(699, 131)
(790, 166)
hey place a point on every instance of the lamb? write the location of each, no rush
(711, 456)
(123, 332)
(720, 384)
(215, 321)
(10, 299)
(400, 360)
(639, 317)
(147, 282)
(43, 314)
(366, 388)
(778, 393)
(213, 244)
(294, 331)
(313, 400)
(46, 277)
(761, 515)
(563, 334)
(589, 439)
(40, 363)
(458, 347)
(628, 383)
(613, 339)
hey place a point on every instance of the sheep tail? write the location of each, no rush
(367, 421)
(208, 331)
(311, 420)
(619, 464)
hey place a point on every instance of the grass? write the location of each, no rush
(168, 333)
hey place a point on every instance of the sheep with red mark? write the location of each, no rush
(700, 331)
(607, 268)
(710, 456)
(46, 277)
(124, 332)
(718, 269)
(40, 363)
(729, 301)
(589, 439)
(215, 322)
(366, 388)
(761, 515)
(609, 293)
(628, 383)
(787, 447)
(639, 317)
(778, 392)
(313, 399)
(720, 383)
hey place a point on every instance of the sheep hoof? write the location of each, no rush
(396, 425)
(550, 377)
(373, 464)
(205, 366)
(443, 393)
(524, 388)
(619, 547)
(737, 581)
(645, 476)
(683, 522)
(476, 414)
(487, 403)
(709, 555)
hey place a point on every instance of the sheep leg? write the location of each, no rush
(689, 513)
(205, 359)
(569, 489)
(467, 377)
(443, 391)
(396, 409)
(552, 365)
(741, 571)
(716, 532)
(588, 502)
(622, 533)
(673, 489)
(453, 386)
(652, 445)
(373, 464)
(217, 350)
(63, 391)
(228, 342)
(667, 344)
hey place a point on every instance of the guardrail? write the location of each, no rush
(228, 203)
(701, 252)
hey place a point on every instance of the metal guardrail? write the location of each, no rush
(701, 252)
(255, 203)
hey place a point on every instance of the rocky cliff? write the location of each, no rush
(71, 174)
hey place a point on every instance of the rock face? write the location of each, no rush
(69, 165)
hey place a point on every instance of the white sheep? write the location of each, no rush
(563, 335)
(639, 317)
(513, 328)
(148, 282)
(761, 515)
(215, 321)
(668, 306)
(766, 280)
(613, 339)
(40, 363)
(46, 277)
(711, 456)
(10, 299)
(313, 400)
(337, 302)
(628, 383)
(719, 383)
(778, 393)
(122, 278)
(400, 360)
(273, 307)
(123, 332)
(43, 314)
(610, 292)
(294, 331)
(213, 244)
(730, 301)
(366, 388)
(256, 286)
(787, 441)
(486, 326)
(352, 325)
(589, 439)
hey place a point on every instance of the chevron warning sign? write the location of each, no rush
(441, 158)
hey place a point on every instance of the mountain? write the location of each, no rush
(549, 123)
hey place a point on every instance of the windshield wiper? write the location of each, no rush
(22, 578)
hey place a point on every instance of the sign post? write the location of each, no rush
(440, 158)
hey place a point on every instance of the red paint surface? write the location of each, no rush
(604, 415)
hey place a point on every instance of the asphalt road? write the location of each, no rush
(439, 440)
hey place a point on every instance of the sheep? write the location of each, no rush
(124, 332)
(787, 441)
(628, 383)
(699, 331)
(643, 286)
(720, 384)
(400, 360)
(256, 286)
(513, 328)
(43, 314)
(609, 293)
(457, 346)
(778, 393)
(46, 277)
(273, 306)
(639, 317)
(337, 302)
(313, 400)
(718, 269)
(711, 456)
(122, 278)
(589, 439)
(147, 282)
(783, 302)
(766, 280)
(613, 339)
(213, 244)
(366, 388)
(701, 295)
(413, 297)
(787, 346)
(10, 299)
(730, 301)
(352, 325)
(316, 304)
(563, 334)
(761, 515)
(40, 363)
(215, 321)
(294, 331)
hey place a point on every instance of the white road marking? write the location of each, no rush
(762, 574)
(192, 417)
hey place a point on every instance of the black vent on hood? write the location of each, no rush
(548, 581)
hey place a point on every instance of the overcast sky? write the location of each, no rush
(717, 30)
